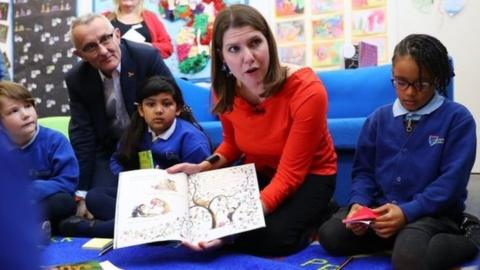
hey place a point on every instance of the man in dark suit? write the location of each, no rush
(102, 91)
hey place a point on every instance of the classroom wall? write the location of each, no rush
(459, 33)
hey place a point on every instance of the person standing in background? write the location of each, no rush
(140, 25)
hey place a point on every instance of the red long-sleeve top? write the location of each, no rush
(286, 135)
(160, 38)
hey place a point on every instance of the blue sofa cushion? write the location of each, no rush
(357, 92)
(345, 131)
(198, 98)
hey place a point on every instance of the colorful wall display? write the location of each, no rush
(369, 24)
(189, 24)
(314, 32)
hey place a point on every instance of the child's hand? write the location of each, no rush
(187, 168)
(391, 220)
(358, 229)
(82, 210)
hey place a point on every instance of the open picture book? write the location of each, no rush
(154, 206)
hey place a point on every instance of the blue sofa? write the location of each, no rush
(353, 94)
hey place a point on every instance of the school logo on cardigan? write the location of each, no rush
(434, 139)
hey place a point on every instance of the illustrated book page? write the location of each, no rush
(224, 202)
(153, 205)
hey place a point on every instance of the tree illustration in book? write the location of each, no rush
(155, 206)
(43, 52)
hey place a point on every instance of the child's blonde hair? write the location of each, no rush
(15, 91)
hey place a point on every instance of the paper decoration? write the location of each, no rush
(193, 39)
(424, 6)
(452, 7)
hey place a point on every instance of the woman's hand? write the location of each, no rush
(204, 246)
(358, 229)
(391, 220)
(264, 208)
(188, 168)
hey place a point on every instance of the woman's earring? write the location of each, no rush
(226, 69)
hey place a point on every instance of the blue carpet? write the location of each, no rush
(68, 250)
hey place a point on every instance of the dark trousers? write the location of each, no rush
(290, 227)
(427, 243)
(101, 203)
(102, 175)
(57, 207)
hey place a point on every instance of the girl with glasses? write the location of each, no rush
(412, 167)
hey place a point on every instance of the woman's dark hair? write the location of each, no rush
(127, 154)
(237, 16)
(430, 55)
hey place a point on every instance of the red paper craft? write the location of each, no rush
(363, 215)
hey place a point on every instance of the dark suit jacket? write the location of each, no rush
(88, 129)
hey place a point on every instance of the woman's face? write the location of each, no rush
(412, 93)
(128, 5)
(245, 52)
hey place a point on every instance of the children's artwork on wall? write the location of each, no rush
(3, 11)
(43, 52)
(292, 54)
(424, 6)
(285, 8)
(290, 31)
(368, 22)
(326, 6)
(330, 26)
(361, 4)
(380, 42)
(327, 54)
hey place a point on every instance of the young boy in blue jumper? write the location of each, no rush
(45, 154)
(412, 166)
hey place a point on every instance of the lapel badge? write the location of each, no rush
(130, 74)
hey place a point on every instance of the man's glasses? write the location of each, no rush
(403, 85)
(93, 47)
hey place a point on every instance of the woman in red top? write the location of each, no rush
(141, 25)
(275, 116)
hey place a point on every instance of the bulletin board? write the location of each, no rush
(43, 51)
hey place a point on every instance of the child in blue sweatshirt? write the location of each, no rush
(162, 125)
(412, 166)
(45, 154)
